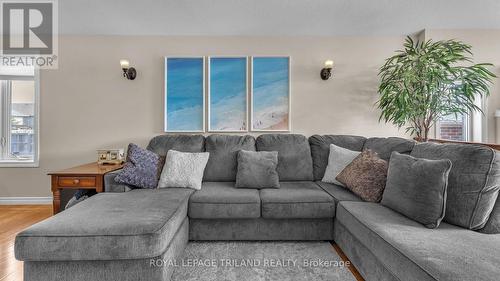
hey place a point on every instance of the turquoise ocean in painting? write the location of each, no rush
(184, 94)
(228, 106)
(270, 96)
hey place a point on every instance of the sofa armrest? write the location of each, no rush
(110, 185)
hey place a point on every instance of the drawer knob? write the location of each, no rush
(76, 181)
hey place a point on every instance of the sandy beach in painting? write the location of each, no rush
(270, 98)
(271, 118)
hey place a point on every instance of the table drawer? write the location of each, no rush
(76, 181)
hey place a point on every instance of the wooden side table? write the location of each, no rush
(88, 176)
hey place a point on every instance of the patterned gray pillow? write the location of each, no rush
(257, 169)
(142, 169)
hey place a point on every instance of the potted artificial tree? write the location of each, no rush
(429, 80)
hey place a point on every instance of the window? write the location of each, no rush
(18, 117)
(454, 127)
(463, 127)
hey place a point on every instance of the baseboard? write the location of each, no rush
(25, 200)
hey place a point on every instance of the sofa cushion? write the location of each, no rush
(412, 252)
(416, 188)
(320, 149)
(493, 224)
(108, 226)
(222, 164)
(339, 193)
(473, 181)
(257, 169)
(385, 146)
(294, 155)
(296, 200)
(184, 143)
(221, 200)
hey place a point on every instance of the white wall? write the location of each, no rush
(86, 104)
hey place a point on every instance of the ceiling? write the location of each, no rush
(273, 17)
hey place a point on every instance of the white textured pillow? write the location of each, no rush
(338, 159)
(183, 169)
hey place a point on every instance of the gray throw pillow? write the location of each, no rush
(257, 169)
(417, 187)
(338, 159)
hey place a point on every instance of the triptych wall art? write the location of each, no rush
(242, 94)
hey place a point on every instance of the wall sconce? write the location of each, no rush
(128, 72)
(326, 72)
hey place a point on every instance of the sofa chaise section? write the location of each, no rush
(110, 270)
(122, 230)
(384, 244)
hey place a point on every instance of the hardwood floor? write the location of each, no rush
(13, 219)
(353, 270)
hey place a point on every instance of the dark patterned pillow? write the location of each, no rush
(142, 169)
(365, 176)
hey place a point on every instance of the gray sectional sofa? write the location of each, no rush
(114, 235)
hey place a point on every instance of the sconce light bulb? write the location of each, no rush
(124, 64)
(329, 64)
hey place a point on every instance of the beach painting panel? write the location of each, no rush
(270, 94)
(184, 94)
(227, 94)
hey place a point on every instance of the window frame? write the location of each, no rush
(5, 125)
